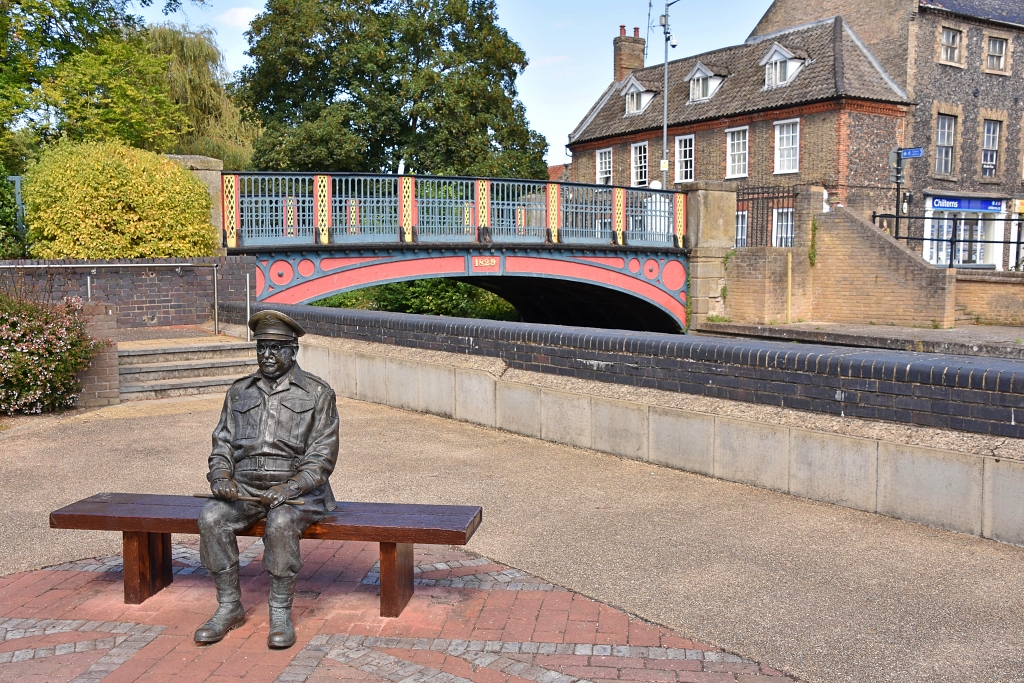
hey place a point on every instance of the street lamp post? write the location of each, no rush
(669, 38)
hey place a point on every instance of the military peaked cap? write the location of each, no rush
(275, 325)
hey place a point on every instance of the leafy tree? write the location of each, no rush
(363, 85)
(198, 81)
(430, 297)
(116, 91)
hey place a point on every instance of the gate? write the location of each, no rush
(765, 217)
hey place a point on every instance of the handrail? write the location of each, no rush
(96, 266)
(282, 209)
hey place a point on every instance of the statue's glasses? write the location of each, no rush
(272, 348)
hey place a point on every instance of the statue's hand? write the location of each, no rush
(279, 494)
(225, 489)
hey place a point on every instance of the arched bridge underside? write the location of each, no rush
(611, 287)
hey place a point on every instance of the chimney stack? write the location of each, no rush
(629, 52)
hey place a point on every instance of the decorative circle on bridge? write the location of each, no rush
(651, 269)
(306, 267)
(673, 276)
(634, 265)
(261, 281)
(281, 272)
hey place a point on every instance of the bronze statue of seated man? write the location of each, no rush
(277, 442)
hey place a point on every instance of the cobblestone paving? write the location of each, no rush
(471, 620)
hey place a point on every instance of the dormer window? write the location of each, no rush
(781, 66)
(776, 73)
(699, 88)
(638, 97)
(704, 81)
(634, 102)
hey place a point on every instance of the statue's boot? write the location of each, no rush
(229, 614)
(282, 632)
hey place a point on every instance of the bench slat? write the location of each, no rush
(352, 521)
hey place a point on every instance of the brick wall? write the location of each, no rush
(976, 394)
(863, 275)
(143, 297)
(100, 384)
(992, 298)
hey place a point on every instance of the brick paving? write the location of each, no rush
(472, 620)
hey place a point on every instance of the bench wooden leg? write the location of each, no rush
(147, 565)
(395, 578)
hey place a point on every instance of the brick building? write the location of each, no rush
(807, 105)
(951, 71)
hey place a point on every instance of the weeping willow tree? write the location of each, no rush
(198, 81)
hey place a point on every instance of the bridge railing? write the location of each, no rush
(296, 209)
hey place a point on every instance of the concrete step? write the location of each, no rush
(203, 367)
(167, 388)
(179, 353)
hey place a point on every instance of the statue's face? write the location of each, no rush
(276, 358)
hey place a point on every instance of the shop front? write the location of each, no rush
(980, 227)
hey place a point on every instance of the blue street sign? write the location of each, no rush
(912, 153)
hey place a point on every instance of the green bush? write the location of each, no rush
(10, 240)
(104, 200)
(429, 297)
(42, 346)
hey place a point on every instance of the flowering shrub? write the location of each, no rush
(42, 346)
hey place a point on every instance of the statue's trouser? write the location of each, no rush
(221, 520)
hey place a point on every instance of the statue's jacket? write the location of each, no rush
(269, 433)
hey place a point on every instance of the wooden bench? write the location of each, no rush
(147, 522)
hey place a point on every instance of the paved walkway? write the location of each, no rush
(966, 340)
(824, 593)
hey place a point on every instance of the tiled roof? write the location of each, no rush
(1007, 11)
(838, 65)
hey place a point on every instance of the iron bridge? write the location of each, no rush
(561, 253)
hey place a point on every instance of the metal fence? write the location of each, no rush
(962, 238)
(291, 209)
(20, 217)
(765, 217)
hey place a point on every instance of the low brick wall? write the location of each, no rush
(991, 297)
(978, 395)
(142, 297)
(100, 381)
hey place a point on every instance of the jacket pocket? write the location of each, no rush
(247, 420)
(295, 421)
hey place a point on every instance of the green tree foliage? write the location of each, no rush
(362, 85)
(106, 200)
(11, 245)
(430, 297)
(198, 81)
(116, 91)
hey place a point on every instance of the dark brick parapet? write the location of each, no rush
(971, 394)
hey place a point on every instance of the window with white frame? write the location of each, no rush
(996, 60)
(684, 159)
(776, 73)
(700, 88)
(990, 148)
(951, 45)
(945, 134)
(638, 164)
(741, 228)
(736, 144)
(782, 227)
(787, 146)
(604, 166)
(634, 102)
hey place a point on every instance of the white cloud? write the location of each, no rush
(237, 17)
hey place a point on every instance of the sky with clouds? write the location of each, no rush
(568, 43)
